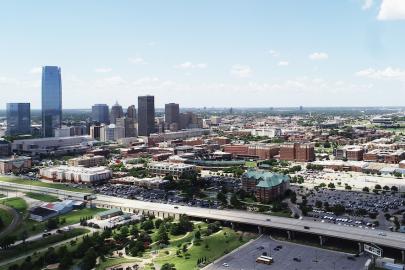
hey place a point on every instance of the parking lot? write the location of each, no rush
(288, 256)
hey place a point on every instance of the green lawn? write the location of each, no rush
(42, 197)
(74, 216)
(219, 244)
(6, 218)
(251, 164)
(112, 262)
(17, 203)
(43, 184)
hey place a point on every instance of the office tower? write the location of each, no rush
(128, 124)
(95, 132)
(131, 112)
(51, 100)
(111, 133)
(172, 117)
(100, 113)
(146, 115)
(116, 112)
(18, 118)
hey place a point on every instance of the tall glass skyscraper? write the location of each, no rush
(101, 113)
(18, 118)
(146, 115)
(51, 100)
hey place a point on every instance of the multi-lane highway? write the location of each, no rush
(389, 239)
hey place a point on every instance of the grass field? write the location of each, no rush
(43, 184)
(42, 197)
(112, 262)
(17, 203)
(212, 247)
(6, 218)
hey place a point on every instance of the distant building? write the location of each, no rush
(95, 132)
(146, 115)
(128, 124)
(108, 214)
(51, 146)
(18, 118)
(100, 113)
(350, 152)
(266, 186)
(255, 150)
(172, 116)
(111, 133)
(87, 161)
(116, 112)
(51, 100)
(385, 155)
(76, 174)
(301, 152)
(173, 169)
(131, 112)
(15, 165)
(5, 148)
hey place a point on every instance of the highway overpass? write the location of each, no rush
(389, 239)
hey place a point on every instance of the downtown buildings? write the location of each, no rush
(51, 100)
(146, 115)
(18, 118)
(100, 113)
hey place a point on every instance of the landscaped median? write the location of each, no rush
(39, 183)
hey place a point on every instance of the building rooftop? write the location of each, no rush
(267, 179)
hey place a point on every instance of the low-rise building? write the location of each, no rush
(173, 169)
(87, 161)
(108, 214)
(385, 156)
(76, 174)
(15, 165)
(301, 152)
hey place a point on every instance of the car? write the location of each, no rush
(297, 259)
(176, 207)
(267, 219)
(225, 265)
(279, 247)
(382, 234)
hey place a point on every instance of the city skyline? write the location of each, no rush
(177, 55)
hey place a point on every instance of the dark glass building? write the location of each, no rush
(116, 112)
(100, 113)
(51, 100)
(172, 114)
(18, 118)
(146, 115)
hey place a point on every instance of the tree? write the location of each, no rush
(318, 204)
(222, 198)
(168, 266)
(386, 188)
(377, 186)
(197, 235)
(366, 189)
(147, 225)
(331, 185)
(235, 201)
(162, 237)
(52, 223)
(24, 235)
(89, 260)
(394, 189)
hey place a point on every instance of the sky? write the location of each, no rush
(228, 53)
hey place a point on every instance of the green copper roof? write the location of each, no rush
(266, 179)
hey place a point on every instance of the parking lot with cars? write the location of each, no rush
(287, 256)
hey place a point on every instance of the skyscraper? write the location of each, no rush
(116, 112)
(146, 115)
(131, 112)
(51, 100)
(172, 118)
(100, 113)
(18, 118)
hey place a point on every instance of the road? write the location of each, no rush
(390, 239)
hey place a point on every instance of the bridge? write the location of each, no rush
(387, 239)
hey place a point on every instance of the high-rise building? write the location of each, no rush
(131, 112)
(116, 112)
(146, 115)
(172, 116)
(128, 124)
(51, 100)
(18, 118)
(100, 113)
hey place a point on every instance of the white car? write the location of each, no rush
(225, 265)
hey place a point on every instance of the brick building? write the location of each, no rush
(301, 152)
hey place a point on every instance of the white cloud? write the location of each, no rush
(103, 70)
(35, 70)
(388, 73)
(137, 60)
(392, 10)
(241, 71)
(273, 53)
(189, 65)
(367, 4)
(283, 63)
(318, 56)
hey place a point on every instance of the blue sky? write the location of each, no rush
(207, 53)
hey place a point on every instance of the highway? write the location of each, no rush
(391, 239)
